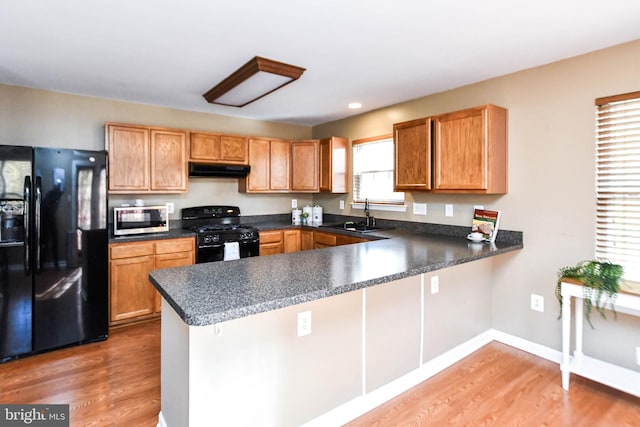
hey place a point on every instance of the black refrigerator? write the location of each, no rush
(53, 249)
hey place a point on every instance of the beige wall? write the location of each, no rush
(50, 119)
(551, 184)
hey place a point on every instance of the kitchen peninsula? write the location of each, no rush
(236, 347)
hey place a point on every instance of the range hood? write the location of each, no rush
(218, 170)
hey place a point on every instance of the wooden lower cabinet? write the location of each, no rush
(271, 242)
(131, 296)
(324, 240)
(291, 240)
(348, 240)
(306, 240)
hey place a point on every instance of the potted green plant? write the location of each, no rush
(600, 281)
(304, 218)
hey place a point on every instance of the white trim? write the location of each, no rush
(363, 404)
(364, 342)
(550, 354)
(380, 207)
(161, 421)
(421, 320)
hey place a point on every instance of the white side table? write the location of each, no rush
(606, 373)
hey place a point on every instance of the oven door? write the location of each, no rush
(210, 252)
(215, 251)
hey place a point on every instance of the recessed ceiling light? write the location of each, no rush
(355, 105)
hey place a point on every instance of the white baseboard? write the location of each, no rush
(528, 346)
(161, 421)
(363, 404)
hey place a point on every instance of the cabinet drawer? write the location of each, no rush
(174, 245)
(325, 239)
(270, 237)
(127, 250)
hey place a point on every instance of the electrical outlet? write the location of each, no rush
(435, 285)
(304, 323)
(537, 303)
(294, 203)
(170, 207)
(638, 355)
(419, 208)
(341, 204)
(448, 210)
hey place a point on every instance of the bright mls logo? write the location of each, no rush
(34, 415)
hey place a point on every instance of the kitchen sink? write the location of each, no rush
(359, 227)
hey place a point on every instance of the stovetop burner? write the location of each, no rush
(220, 221)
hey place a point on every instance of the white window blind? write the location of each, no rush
(618, 182)
(373, 171)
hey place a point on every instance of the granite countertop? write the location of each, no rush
(173, 233)
(204, 294)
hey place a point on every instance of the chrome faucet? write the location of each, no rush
(367, 214)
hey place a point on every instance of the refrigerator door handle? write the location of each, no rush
(38, 223)
(27, 225)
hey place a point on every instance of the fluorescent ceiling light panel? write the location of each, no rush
(252, 81)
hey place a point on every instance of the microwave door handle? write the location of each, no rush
(27, 225)
(38, 223)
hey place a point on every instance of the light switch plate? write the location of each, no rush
(448, 210)
(419, 208)
(341, 204)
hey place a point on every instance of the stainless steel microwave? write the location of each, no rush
(140, 220)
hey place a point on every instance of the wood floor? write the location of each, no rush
(117, 383)
(501, 386)
(110, 383)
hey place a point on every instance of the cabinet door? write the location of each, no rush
(470, 150)
(305, 175)
(348, 240)
(128, 148)
(168, 160)
(131, 293)
(271, 242)
(234, 149)
(259, 158)
(333, 164)
(279, 165)
(204, 146)
(412, 145)
(306, 240)
(323, 240)
(291, 240)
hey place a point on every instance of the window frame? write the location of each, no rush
(618, 203)
(390, 205)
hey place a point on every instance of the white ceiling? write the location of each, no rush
(377, 52)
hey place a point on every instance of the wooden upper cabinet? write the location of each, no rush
(334, 164)
(412, 147)
(305, 164)
(234, 149)
(216, 148)
(470, 151)
(168, 160)
(270, 166)
(129, 165)
(204, 146)
(145, 160)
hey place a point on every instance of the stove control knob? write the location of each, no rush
(209, 238)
